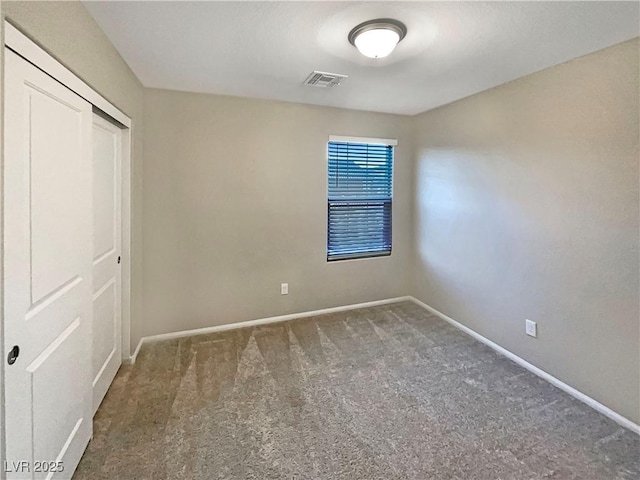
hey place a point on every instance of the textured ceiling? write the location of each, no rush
(267, 49)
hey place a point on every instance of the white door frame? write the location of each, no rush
(29, 50)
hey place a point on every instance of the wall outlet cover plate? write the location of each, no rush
(531, 328)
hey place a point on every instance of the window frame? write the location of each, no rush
(368, 141)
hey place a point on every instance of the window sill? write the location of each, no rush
(363, 256)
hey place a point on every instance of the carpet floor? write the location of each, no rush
(388, 392)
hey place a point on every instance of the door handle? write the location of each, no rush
(13, 355)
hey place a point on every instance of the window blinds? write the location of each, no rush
(359, 200)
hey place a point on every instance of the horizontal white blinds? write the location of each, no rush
(359, 200)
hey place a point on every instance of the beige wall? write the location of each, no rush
(527, 207)
(235, 204)
(69, 33)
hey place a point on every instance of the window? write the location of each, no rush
(359, 200)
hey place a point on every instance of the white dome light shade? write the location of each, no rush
(377, 43)
(377, 38)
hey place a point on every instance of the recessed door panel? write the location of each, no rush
(53, 434)
(56, 153)
(105, 144)
(104, 327)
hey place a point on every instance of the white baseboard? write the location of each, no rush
(132, 359)
(254, 323)
(606, 411)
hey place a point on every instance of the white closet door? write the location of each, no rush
(47, 272)
(107, 152)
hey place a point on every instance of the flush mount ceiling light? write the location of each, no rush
(377, 38)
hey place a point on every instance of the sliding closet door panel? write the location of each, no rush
(107, 152)
(47, 272)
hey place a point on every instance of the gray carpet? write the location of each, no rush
(389, 392)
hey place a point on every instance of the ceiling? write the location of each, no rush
(267, 49)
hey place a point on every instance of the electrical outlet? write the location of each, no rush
(284, 289)
(531, 328)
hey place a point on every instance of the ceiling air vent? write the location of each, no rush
(324, 79)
